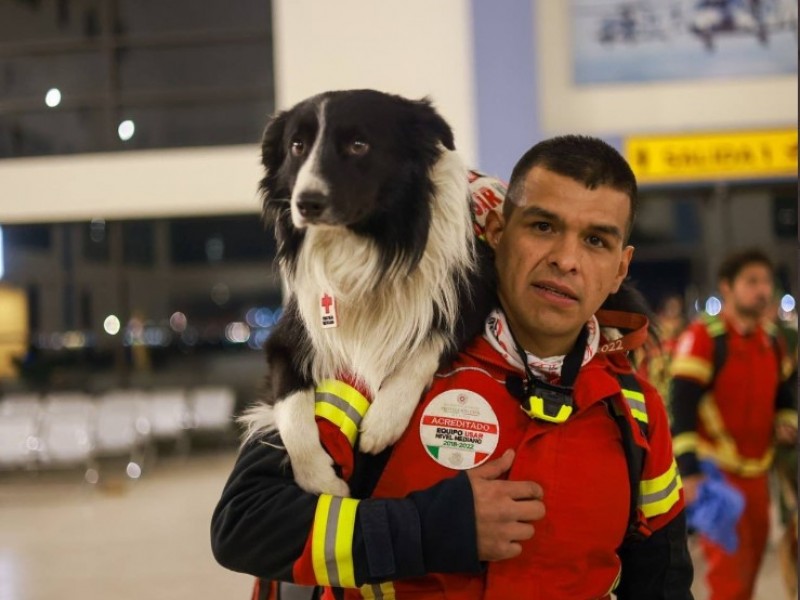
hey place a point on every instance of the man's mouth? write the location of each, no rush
(556, 290)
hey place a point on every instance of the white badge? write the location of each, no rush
(459, 429)
(327, 311)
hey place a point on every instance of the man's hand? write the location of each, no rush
(690, 485)
(503, 509)
(786, 434)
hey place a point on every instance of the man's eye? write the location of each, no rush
(298, 148)
(357, 148)
(595, 241)
(541, 226)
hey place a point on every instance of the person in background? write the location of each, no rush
(537, 465)
(654, 357)
(730, 403)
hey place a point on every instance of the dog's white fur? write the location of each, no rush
(384, 337)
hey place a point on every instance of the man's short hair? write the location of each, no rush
(733, 264)
(585, 159)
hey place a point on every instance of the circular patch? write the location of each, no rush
(459, 429)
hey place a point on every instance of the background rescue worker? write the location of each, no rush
(729, 402)
(545, 397)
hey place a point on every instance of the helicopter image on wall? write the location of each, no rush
(713, 18)
(707, 20)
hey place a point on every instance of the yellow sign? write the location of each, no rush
(713, 156)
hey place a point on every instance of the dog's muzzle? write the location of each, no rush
(311, 205)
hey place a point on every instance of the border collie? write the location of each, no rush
(385, 278)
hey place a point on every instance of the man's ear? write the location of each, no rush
(622, 270)
(495, 224)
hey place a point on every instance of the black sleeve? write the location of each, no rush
(263, 520)
(659, 567)
(684, 399)
(785, 397)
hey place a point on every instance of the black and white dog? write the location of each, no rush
(372, 216)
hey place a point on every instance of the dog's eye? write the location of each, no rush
(357, 148)
(298, 148)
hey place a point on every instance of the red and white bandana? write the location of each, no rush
(498, 334)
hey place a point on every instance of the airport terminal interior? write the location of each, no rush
(138, 280)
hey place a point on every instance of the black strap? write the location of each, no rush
(634, 453)
(571, 365)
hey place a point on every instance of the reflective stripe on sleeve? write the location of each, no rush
(659, 495)
(636, 403)
(332, 541)
(378, 591)
(685, 442)
(692, 367)
(787, 416)
(341, 404)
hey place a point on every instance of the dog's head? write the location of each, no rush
(347, 158)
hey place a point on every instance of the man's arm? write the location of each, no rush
(692, 373)
(658, 568)
(267, 526)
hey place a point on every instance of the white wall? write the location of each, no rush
(413, 48)
(653, 107)
(145, 183)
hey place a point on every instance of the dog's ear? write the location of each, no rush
(273, 152)
(430, 120)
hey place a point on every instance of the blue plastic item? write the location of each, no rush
(717, 508)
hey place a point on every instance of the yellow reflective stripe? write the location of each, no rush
(342, 405)
(732, 462)
(332, 541)
(691, 366)
(659, 495)
(787, 416)
(657, 484)
(711, 417)
(318, 539)
(637, 404)
(338, 417)
(684, 442)
(347, 392)
(378, 591)
(715, 327)
(787, 367)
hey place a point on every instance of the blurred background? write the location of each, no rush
(136, 278)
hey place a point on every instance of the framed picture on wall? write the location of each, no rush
(619, 41)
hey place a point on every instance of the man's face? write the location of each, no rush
(750, 292)
(559, 255)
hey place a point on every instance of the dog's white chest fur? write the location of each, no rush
(382, 322)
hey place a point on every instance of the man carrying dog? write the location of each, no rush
(536, 466)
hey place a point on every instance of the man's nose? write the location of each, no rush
(564, 253)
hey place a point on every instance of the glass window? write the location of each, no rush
(184, 73)
(220, 239)
(137, 243)
(29, 237)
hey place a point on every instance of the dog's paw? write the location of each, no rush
(380, 428)
(319, 477)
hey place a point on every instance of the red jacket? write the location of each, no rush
(468, 417)
(742, 402)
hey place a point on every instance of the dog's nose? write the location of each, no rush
(311, 204)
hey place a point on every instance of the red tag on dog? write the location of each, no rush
(327, 311)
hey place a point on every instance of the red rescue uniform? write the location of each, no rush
(467, 417)
(732, 425)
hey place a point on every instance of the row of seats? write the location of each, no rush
(73, 429)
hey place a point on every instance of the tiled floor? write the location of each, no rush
(60, 539)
